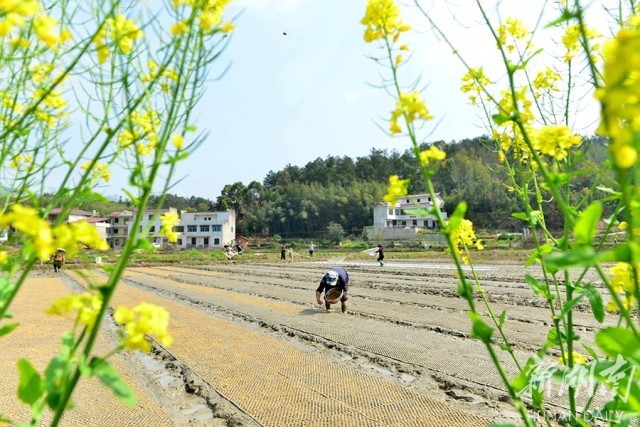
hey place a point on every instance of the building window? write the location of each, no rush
(407, 200)
(116, 220)
(216, 242)
(192, 228)
(404, 222)
(152, 229)
(115, 231)
(179, 242)
(206, 241)
(418, 200)
(204, 228)
(390, 211)
(179, 228)
(150, 217)
(193, 241)
(415, 222)
(216, 228)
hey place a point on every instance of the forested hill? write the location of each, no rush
(303, 201)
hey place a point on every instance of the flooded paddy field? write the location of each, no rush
(252, 348)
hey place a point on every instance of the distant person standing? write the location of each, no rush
(380, 252)
(283, 254)
(312, 248)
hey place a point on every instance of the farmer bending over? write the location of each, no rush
(335, 285)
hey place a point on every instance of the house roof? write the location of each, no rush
(133, 211)
(94, 220)
(79, 212)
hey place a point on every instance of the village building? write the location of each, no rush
(207, 230)
(122, 222)
(403, 219)
(74, 215)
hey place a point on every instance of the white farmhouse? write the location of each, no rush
(207, 230)
(398, 222)
(122, 223)
(398, 216)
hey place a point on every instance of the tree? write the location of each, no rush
(335, 233)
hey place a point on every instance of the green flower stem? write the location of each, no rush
(492, 315)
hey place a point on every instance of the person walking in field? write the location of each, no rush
(58, 260)
(335, 285)
(380, 252)
(312, 248)
(283, 254)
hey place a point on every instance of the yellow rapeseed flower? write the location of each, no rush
(87, 234)
(433, 153)
(620, 94)
(178, 28)
(578, 358)
(124, 31)
(464, 236)
(411, 107)
(555, 141)
(144, 319)
(397, 188)
(87, 306)
(44, 26)
(382, 19)
(169, 220)
(99, 170)
(177, 141)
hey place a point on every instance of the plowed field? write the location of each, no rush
(252, 348)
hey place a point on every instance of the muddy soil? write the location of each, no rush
(406, 324)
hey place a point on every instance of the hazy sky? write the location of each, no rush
(307, 94)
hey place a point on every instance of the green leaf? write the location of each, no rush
(538, 287)
(538, 254)
(417, 211)
(617, 340)
(67, 344)
(502, 317)
(570, 304)
(566, 16)
(618, 376)
(520, 215)
(579, 257)
(480, 329)
(190, 128)
(56, 378)
(4, 420)
(31, 386)
(595, 299)
(110, 377)
(587, 224)
(456, 218)
(8, 328)
(520, 382)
